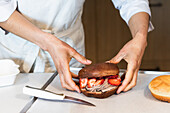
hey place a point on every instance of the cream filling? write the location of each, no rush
(101, 88)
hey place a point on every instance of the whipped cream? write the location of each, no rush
(101, 88)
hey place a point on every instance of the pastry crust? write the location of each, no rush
(160, 87)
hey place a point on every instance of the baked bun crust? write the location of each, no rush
(160, 87)
(99, 70)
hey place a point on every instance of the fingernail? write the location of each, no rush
(78, 90)
(89, 61)
(118, 91)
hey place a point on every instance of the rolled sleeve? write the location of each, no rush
(128, 8)
(7, 7)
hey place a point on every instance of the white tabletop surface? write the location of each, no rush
(137, 100)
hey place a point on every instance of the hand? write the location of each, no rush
(61, 54)
(132, 53)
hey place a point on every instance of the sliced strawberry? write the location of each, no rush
(91, 82)
(114, 82)
(113, 76)
(83, 82)
(119, 79)
(99, 82)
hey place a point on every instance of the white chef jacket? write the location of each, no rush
(59, 17)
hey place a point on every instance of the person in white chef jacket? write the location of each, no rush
(44, 35)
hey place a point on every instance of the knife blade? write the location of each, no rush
(49, 95)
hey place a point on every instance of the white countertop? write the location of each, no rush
(137, 100)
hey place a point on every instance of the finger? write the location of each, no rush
(74, 75)
(80, 58)
(63, 83)
(133, 82)
(68, 78)
(130, 72)
(65, 76)
(117, 58)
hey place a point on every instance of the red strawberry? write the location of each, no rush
(83, 82)
(114, 82)
(113, 76)
(99, 82)
(91, 82)
(119, 79)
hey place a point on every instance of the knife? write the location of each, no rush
(49, 95)
(31, 102)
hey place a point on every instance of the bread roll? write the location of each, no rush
(97, 71)
(160, 87)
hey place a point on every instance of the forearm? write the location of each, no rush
(60, 52)
(20, 26)
(138, 24)
(133, 50)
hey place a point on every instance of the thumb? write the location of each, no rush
(80, 58)
(117, 58)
